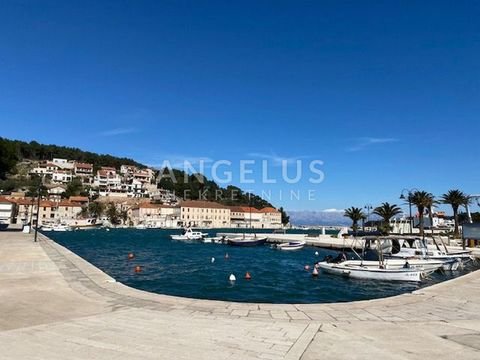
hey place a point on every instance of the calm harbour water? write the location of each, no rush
(186, 269)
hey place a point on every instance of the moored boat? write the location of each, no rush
(372, 273)
(247, 241)
(188, 234)
(289, 246)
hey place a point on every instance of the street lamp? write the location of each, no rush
(409, 196)
(40, 183)
(368, 207)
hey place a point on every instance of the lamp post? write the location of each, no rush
(368, 207)
(40, 182)
(409, 193)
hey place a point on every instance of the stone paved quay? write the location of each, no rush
(55, 305)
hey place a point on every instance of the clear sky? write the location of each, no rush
(385, 93)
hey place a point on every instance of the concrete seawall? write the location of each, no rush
(55, 305)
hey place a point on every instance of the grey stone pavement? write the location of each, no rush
(55, 305)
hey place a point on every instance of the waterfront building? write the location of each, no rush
(272, 218)
(245, 217)
(156, 215)
(207, 214)
(7, 210)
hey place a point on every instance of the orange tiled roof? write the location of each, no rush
(202, 204)
(66, 203)
(4, 199)
(84, 165)
(78, 198)
(244, 209)
(269, 210)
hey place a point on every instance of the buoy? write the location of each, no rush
(315, 272)
(232, 277)
(316, 253)
(227, 256)
(138, 269)
(107, 229)
(248, 276)
(213, 260)
(131, 256)
(307, 267)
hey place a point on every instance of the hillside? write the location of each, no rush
(14, 151)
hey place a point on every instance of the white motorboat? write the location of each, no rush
(140, 227)
(416, 249)
(426, 266)
(61, 227)
(371, 273)
(188, 235)
(213, 240)
(290, 246)
(46, 228)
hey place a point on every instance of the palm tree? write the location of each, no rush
(386, 211)
(455, 198)
(355, 214)
(422, 200)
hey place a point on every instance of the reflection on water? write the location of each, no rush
(185, 269)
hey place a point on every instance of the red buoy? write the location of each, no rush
(248, 276)
(315, 272)
(131, 256)
(138, 269)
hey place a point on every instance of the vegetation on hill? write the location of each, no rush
(13, 151)
(198, 187)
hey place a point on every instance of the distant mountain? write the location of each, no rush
(325, 217)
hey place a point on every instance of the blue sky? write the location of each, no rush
(385, 93)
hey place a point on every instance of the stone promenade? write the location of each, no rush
(55, 305)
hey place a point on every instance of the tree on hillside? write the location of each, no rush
(96, 209)
(8, 158)
(74, 188)
(112, 214)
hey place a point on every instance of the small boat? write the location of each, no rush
(289, 246)
(371, 273)
(188, 235)
(61, 227)
(427, 266)
(141, 227)
(214, 240)
(46, 228)
(249, 240)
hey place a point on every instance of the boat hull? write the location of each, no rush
(366, 273)
(247, 242)
(291, 246)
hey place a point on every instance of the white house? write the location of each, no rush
(7, 210)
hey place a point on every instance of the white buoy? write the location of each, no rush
(232, 277)
(213, 260)
(315, 272)
(316, 253)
